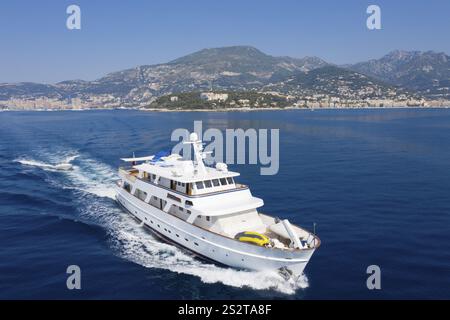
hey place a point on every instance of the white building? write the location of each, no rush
(211, 96)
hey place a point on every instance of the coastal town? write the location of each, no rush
(222, 101)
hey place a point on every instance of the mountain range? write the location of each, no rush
(400, 75)
(425, 72)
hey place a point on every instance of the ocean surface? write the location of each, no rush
(375, 182)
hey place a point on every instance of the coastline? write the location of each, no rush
(232, 109)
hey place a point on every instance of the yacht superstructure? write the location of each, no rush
(204, 210)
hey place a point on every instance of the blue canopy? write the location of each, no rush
(159, 155)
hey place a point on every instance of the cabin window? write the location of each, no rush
(141, 195)
(180, 208)
(189, 203)
(208, 184)
(199, 185)
(208, 218)
(216, 182)
(183, 184)
(188, 211)
(230, 180)
(127, 186)
(223, 181)
(171, 196)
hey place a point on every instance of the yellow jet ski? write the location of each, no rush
(253, 238)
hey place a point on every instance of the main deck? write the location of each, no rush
(257, 222)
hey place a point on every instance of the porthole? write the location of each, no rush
(196, 244)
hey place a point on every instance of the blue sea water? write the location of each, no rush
(376, 183)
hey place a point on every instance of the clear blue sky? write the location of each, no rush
(37, 46)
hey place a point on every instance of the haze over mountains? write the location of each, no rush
(426, 72)
(399, 75)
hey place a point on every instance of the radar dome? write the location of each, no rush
(193, 137)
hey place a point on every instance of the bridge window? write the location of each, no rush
(208, 184)
(216, 182)
(230, 180)
(223, 181)
(199, 185)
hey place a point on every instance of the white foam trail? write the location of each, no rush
(94, 178)
(137, 245)
(34, 163)
(60, 166)
(95, 181)
(69, 159)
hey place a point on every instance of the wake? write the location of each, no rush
(61, 166)
(93, 185)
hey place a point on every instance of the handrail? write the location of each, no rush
(228, 237)
(239, 187)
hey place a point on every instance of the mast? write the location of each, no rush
(199, 155)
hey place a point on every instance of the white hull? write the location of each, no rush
(211, 245)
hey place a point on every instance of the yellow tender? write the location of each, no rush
(253, 238)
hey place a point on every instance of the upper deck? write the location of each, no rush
(184, 171)
(190, 177)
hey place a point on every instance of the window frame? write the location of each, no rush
(201, 184)
(210, 183)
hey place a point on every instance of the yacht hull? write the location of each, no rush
(212, 246)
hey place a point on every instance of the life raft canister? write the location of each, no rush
(252, 238)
